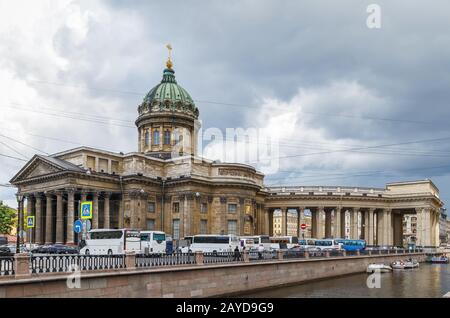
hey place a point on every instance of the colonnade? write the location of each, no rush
(56, 211)
(378, 226)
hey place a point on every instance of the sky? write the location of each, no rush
(349, 104)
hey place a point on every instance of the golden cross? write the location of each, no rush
(169, 60)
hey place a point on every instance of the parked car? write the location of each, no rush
(5, 251)
(55, 249)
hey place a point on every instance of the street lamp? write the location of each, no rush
(19, 198)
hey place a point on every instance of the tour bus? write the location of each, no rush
(352, 245)
(155, 241)
(328, 244)
(280, 242)
(258, 240)
(307, 243)
(214, 243)
(111, 241)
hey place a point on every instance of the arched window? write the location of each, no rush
(167, 137)
(147, 138)
(156, 137)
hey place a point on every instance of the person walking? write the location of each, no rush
(237, 254)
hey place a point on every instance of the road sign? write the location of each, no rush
(77, 226)
(87, 225)
(86, 210)
(303, 226)
(30, 221)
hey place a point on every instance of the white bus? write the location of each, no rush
(155, 241)
(214, 243)
(278, 242)
(307, 243)
(109, 241)
(328, 244)
(258, 240)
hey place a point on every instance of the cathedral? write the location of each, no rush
(166, 186)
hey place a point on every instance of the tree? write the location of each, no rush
(8, 218)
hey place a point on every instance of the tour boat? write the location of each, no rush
(438, 259)
(407, 264)
(382, 268)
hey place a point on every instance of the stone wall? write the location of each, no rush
(193, 281)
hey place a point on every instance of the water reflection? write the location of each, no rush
(430, 280)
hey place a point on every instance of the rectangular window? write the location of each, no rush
(167, 137)
(232, 208)
(232, 227)
(90, 162)
(204, 208)
(114, 166)
(176, 229)
(151, 207)
(103, 165)
(155, 137)
(150, 224)
(203, 226)
(176, 207)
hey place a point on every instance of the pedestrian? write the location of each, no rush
(237, 254)
(260, 251)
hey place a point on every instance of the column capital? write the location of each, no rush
(49, 194)
(70, 190)
(59, 192)
(371, 210)
(106, 194)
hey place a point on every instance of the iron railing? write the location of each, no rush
(261, 256)
(68, 263)
(222, 257)
(155, 260)
(6, 265)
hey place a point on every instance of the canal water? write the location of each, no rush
(429, 280)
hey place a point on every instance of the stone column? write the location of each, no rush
(48, 219)
(388, 227)
(320, 222)
(301, 220)
(354, 223)
(327, 224)
(366, 226)
(39, 226)
(380, 227)
(95, 211)
(283, 221)
(437, 215)
(337, 223)
(106, 213)
(30, 212)
(370, 225)
(419, 227)
(59, 219)
(70, 216)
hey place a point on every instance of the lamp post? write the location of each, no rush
(19, 198)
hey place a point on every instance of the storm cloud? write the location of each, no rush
(334, 91)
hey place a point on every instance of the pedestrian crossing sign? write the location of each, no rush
(86, 210)
(30, 222)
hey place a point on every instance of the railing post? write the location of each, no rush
(199, 258)
(358, 252)
(21, 265)
(130, 260)
(344, 253)
(327, 254)
(280, 255)
(306, 254)
(370, 252)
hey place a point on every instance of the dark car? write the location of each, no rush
(5, 251)
(55, 249)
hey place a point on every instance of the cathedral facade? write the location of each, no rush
(166, 186)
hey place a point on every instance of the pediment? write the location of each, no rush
(40, 169)
(41, 166)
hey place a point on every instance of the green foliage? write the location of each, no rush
(8, 218)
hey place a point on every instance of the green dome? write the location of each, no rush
(168, 96)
